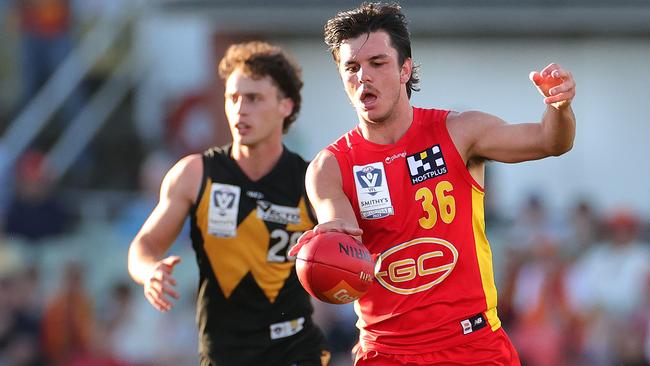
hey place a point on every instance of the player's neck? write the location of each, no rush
(257, 160)
(390, 130)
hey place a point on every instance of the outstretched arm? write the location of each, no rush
(146, 263)
(483, 136)
(325, 190)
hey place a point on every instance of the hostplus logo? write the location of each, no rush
(426, 164)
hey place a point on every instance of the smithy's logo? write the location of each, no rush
(370, 178)
(416, 265)
(426, 164)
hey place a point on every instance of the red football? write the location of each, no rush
(335, 267)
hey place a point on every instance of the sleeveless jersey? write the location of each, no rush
(251, 308)
(422, 218)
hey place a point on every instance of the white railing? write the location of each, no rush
(85, 126)
(22, 131)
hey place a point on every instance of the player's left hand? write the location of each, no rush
(555, 84)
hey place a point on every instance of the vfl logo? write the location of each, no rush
(373, 194)
(223, 200)
(416, 265)
(223, 210)
(426, 164)
(370, 178)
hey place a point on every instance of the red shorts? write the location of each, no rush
(494, 349)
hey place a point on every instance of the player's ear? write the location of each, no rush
(286, 106)
(405, 70)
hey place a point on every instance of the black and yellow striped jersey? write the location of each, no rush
(251, 309)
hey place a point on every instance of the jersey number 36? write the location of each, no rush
(443, 200)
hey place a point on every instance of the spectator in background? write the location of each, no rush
(35, 212)
(45, 31)
(584, 230)
(337, 321)
(19, 328)
(46, 40)
(644, 319)
(68, 321)
(152, 171)
(129, 323)
(607, 286)
(530, 227)
(99, 354)
(543, 320)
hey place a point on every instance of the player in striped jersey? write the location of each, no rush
(247, 205)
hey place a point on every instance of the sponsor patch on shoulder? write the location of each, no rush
(372, 191)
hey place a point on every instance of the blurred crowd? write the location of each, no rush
(574, 284)
(575, 289)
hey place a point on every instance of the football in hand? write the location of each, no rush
(334, 267)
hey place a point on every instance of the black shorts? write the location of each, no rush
(322, 359)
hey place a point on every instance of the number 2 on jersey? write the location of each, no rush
(278, 251)
(443, 199)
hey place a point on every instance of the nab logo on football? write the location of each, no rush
(223, 200)
(426, 164)
(416, 265)
(369, 178)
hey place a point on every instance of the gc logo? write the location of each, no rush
(343, 296)
(416, 265)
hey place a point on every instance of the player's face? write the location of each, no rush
(372, 75)
(255, 109)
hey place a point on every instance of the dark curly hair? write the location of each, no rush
(259, 59)
(373, 17)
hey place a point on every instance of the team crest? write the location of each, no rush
(223, 210)
(372, 191)
(426, 164)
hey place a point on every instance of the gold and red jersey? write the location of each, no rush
(422, 216)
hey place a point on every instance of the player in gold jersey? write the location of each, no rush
(247, 206)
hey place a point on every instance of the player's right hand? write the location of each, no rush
(334, 225)
(338, 225)
(556, 85)
(158, 285)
